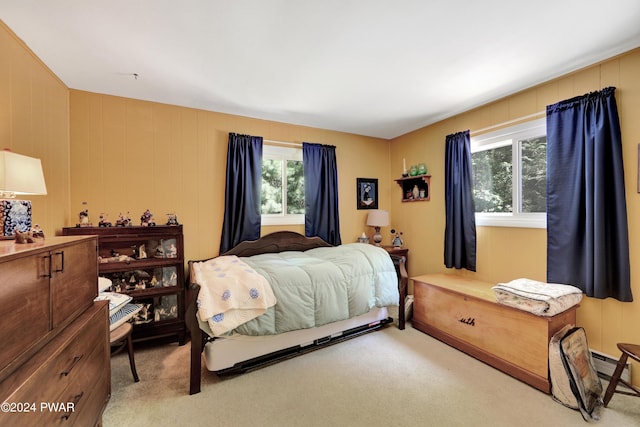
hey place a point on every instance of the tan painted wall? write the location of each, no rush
(34, 121)
(129, 155)
(507, 253)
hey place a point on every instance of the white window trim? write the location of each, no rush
(496, 139)
(282, 153)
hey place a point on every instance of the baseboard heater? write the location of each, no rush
(297, 350)
(605, 365)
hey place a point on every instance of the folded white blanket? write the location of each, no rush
(540, 298)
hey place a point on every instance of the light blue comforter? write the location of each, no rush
(322, 285)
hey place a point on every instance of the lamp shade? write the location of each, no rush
(378, 218)
(21, 175)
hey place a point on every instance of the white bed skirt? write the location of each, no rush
(224, 353)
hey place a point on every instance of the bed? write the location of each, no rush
(322, 294)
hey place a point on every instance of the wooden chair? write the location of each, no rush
(121, 338)
(628, 350)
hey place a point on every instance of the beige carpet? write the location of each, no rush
(386, 378)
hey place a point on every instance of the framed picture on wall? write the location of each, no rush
(367, 193)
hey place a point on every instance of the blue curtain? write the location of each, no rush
(321, 217)
(460, 228)
(587, 235)
(242, 194)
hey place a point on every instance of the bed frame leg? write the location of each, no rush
(197, 345)
(403, 280)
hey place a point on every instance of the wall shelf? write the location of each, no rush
(423, 182)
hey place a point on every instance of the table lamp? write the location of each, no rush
(378, 218)
(19, 175)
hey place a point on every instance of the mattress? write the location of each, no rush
(226, 352)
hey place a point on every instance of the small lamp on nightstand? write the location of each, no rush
(378, 218)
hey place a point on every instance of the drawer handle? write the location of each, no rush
(46, 266)
(471, 321)
(61, 270)
(72, 407)
(74, 362)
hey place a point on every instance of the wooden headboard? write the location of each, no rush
(279, 241)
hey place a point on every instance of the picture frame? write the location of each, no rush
(367, 193)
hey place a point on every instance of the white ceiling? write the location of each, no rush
(371, 67)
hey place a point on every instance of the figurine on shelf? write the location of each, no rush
(103, 221)
(146, 219)
(123, 221)
(172, 219)
(37, 232)
(172, 252)
(83, 218)
(397, 240)
(23, 236)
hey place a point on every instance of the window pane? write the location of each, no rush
(271, 194)
(534, 173)
(295, 187)
(492, 180)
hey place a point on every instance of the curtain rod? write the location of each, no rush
(286, 144)
(509, 122)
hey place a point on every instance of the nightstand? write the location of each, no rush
(402, 285)
(402, 251)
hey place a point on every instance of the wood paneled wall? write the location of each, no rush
(34, 121)
(129, 155)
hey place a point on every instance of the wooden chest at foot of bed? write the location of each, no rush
(463, 313)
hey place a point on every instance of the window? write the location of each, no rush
(509, 176)
(282, 185)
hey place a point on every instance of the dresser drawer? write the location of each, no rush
(24, 310)
(60, 379)
(88, 411)
(74, 282)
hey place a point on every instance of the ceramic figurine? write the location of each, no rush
(123, 221)
(172, 219)
(146, 219)
(397, 240)
(83, 218)
(37, 232)
(23, 236)
(103, 221)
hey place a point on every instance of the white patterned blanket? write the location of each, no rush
(231, 293)
(539, 298)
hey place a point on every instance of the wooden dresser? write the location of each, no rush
(463, 313)
(54, 358)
